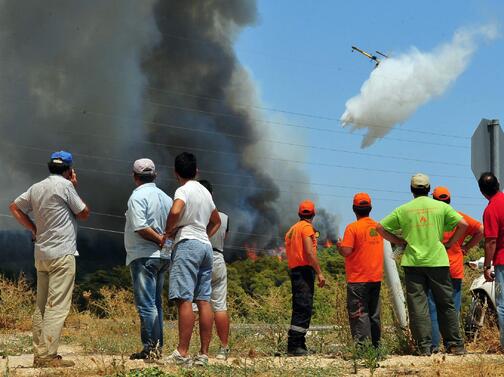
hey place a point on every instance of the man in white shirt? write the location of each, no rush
(192, 220)
(218, 299)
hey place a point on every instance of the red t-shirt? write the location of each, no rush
(455, 253)
(493, 221)
(296, 255)
(365, 264)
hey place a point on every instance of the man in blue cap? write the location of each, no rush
(55, 207)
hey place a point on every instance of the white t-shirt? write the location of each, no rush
(196, 214)
(217, 239)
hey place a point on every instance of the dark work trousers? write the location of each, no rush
(419, 280)
(363, 305)
(302, 281)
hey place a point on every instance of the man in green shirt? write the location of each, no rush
(423, 222)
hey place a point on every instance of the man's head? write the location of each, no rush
(206, 184)
(306, 210)
(442, 194)
(420, 185)
(60, 163)
(185, 165)
(144, 171)
(488, 184)
(362, 204)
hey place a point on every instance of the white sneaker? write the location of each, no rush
(222, 354)
(178, 359)
(201, 360)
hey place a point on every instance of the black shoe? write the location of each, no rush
(297, 351)
(424, 352)
(146, 355)
(142, 355)
(457, 350)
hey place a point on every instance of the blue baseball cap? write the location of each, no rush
(62, 157)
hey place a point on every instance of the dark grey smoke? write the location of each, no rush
(113, 81)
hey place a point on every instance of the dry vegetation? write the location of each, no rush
(103, 329)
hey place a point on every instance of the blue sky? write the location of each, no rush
(299, 54)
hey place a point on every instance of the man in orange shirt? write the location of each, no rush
(456, 257)
(362, 248)
(301, 249)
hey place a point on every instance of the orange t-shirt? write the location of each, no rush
(455, 253)
(296, 256)
(365, 264)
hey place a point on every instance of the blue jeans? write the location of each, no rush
(499, 299)
(191, 271)
(148, 278)
(457, 298)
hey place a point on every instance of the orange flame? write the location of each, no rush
(251, 253)
(328, 243)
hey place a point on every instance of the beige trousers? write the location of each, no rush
(55, 283)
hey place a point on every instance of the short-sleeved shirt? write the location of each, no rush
(148, 207)
(217, 240)
(423, 222)
(294, 248)
(493, 221)
(54, 203)
(455, 253)
(195, 217)
(365, 264)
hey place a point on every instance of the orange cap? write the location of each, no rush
(306, 207)
(362, 199)
(441, 193)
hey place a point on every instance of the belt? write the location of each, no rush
(217, 250)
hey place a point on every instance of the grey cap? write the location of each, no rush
(144, 166)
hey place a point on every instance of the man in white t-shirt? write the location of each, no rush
(193, 218)
(218, 299)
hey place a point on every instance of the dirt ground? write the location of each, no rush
(472, 364)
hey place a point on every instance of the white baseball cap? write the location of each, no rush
(144, 166)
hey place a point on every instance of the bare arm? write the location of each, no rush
(345, 251)
(459, 232)
(312, 260)
(490, 245)
(84, 214)
(23, 219)
(389, 236)
(174, 216)
(476, 237)
(150, 234)
(214, 223)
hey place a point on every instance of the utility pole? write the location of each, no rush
(493, 130)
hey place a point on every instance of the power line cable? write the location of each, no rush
(286, 124)
(235, 153)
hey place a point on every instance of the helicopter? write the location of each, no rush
(368, 55)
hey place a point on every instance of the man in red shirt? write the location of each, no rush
(301, 249)
(493, 222)
(456, 257)
(362, 248)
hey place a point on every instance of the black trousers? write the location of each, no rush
(302, 281)
(363, 305)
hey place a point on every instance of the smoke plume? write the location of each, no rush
(113, 81)
(400, 85)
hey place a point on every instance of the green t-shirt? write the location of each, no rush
(423, 222)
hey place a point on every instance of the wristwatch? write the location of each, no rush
(487, 267)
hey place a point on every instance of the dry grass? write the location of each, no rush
(16, 304)
(107, 331)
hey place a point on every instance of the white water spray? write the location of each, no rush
(400, 85)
